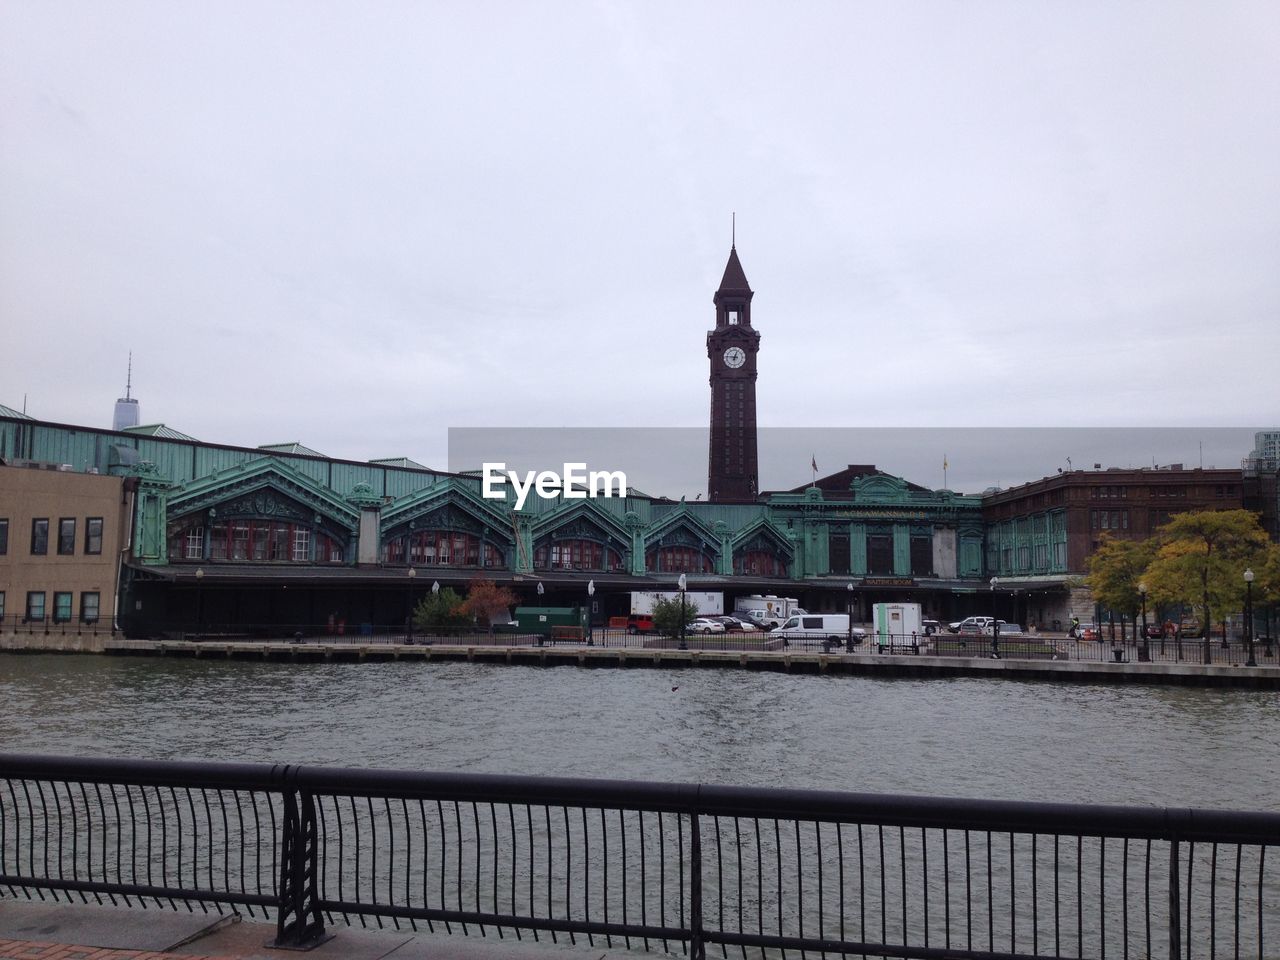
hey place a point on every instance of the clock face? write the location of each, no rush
(734, 357)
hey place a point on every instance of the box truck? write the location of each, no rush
(767, 611)
(700, 604)
(897, 625)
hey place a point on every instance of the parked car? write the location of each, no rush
(976, 625)
(1089, 631)
(705, 625)
(1154, 631)
(930, 627)
(639, 623)
(737, 625)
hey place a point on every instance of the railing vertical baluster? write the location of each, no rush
(586, 876)
(426, 862)
(546, 809)
(493, 822)
(1239, 854)
(946, 890)
(1175, 898)
(475, 823)
(444, 858)
(515, 852)
(568, 873)
(457, 823)
(697, 949)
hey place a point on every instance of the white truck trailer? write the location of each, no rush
(701, 604)
(767, 611)
(897, 624)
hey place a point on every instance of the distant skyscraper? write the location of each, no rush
(126, 414)
(1266, 445)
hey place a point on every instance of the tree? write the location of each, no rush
(1202, 558)
(487, 602)
(667, 615)
(1115, 570)
(438, 611)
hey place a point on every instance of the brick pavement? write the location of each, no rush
(41, 950)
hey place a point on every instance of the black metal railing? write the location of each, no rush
(1013, 646)
(671, 867)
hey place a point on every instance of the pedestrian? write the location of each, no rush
(1074, 632)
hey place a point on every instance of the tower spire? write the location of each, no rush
(128, 384)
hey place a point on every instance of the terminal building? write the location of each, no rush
(279, 537)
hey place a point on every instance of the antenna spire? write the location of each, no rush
(128, 385)
(733, 231)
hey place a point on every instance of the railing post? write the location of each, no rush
(697, 949)
(1175, 919)
(299, 925)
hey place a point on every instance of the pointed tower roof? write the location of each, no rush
(734, 280)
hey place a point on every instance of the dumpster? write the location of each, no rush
(542, 620)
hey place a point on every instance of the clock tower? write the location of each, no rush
(732, 470)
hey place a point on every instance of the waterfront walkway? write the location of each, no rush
(702, 654)
(62, 931)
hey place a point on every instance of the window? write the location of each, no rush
(921, 556)
(61, 607)
(194, 548)
(89, 603)
(66, 536)
(35, 605)
(4, 537)
(93, 535)
(733, 316)
(759, 563)
(1, 605)
(879, 554)
(838, 554)
(40, 538)
(301, 544)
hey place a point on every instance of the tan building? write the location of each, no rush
(61, 540)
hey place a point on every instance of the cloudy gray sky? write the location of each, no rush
(359, 224)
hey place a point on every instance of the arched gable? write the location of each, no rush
(260, 511)
(760, 549)
(681, 543)
(580, 536)
(445, 525)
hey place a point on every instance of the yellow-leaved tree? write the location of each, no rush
(1201, 561)
(1115, 570)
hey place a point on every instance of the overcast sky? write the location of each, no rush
(356, 225)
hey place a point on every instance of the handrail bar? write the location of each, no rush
(906, 810)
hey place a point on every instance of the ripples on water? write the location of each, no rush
(960, 737)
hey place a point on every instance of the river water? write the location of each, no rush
(956, 737)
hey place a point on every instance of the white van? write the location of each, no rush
(818, 628)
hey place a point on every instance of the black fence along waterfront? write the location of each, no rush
(680, 868)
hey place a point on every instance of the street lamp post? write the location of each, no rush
(542, 637)
(408, 606)
(199, 598)
(591, 631)
(1248, 616)
(683, 584)
(995, 623)
(435, 593)
(848, 642)
(1144, 651)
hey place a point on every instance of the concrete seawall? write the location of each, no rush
(868, 664)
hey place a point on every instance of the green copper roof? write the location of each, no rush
(10, 412)
(158, 430)
(400, 462)
(294, 448)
